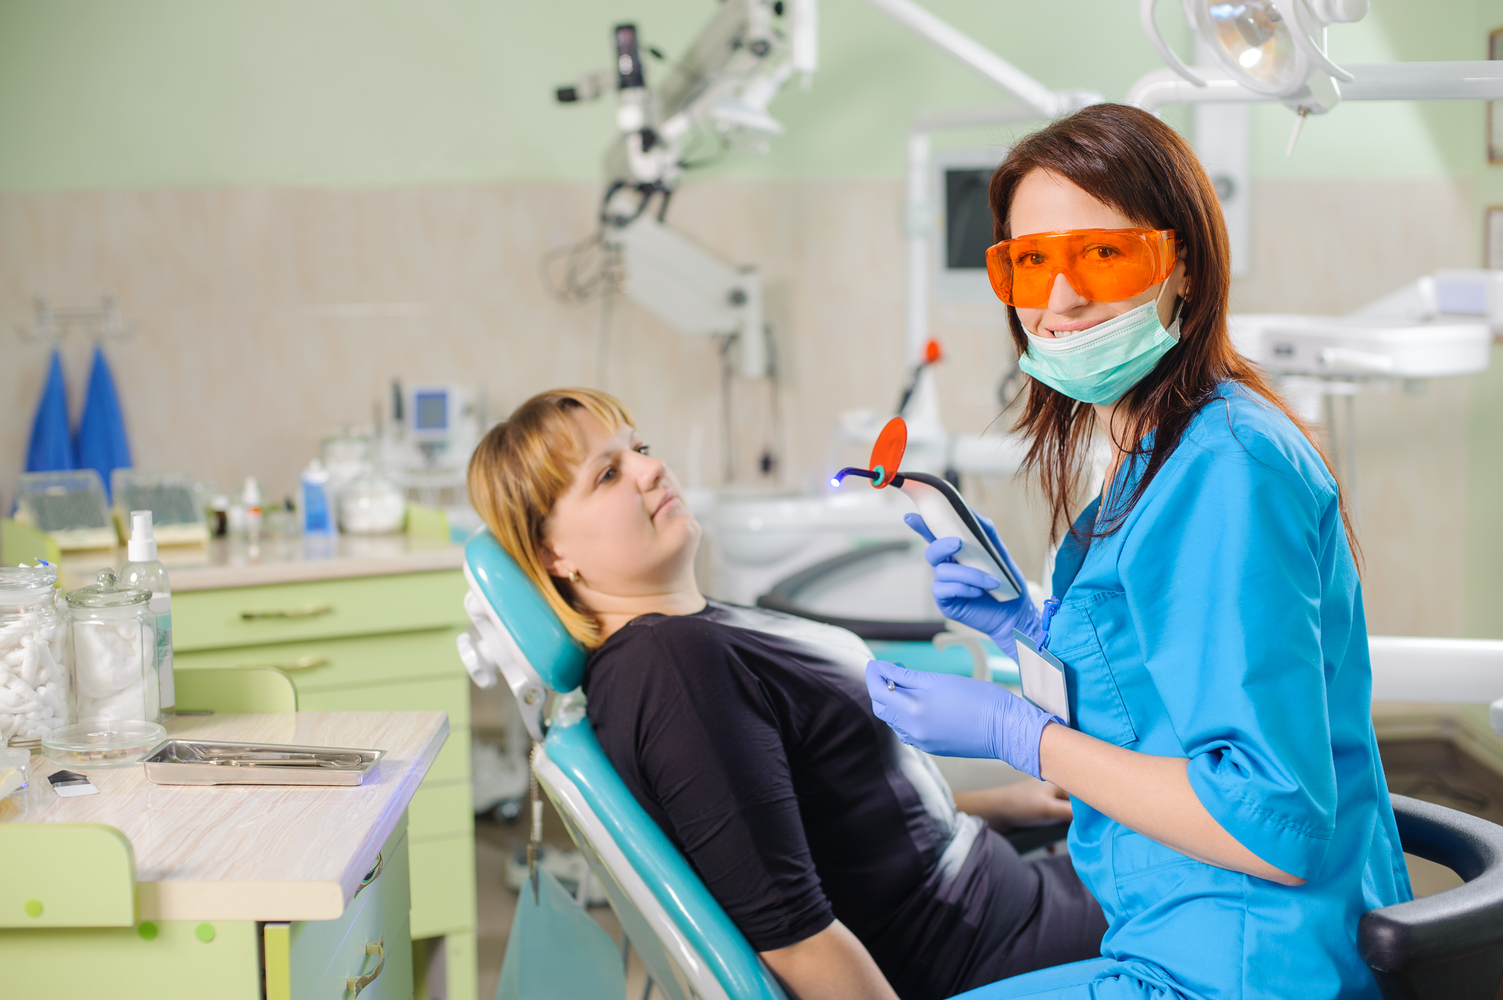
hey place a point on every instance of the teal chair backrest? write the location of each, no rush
(552, 652)
(650, 883)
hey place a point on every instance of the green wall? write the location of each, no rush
(107, 93)
(144, 93)
(126, 93)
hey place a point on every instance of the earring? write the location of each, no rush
(573, 576)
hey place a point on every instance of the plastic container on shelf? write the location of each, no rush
(103, 743)
(35, 678)
(372, 506)
(112, 645)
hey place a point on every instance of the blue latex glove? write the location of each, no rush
(962, 592)
(957, 716)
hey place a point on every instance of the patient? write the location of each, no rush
(748, 736)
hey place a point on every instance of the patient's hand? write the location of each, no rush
(1023, 803)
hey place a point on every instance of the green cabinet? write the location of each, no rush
(373, 643)
(91, 951)
(368, 948)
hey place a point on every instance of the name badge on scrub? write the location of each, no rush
(1043, 678)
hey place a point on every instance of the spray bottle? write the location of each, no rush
(145, 571)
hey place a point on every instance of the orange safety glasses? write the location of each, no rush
(1104, 265)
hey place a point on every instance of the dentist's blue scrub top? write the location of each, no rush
(1223, 623)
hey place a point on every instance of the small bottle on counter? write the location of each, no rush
(317, 519)
(251, 499)
(219, 516)
(145, 571)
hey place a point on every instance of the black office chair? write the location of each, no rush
(1449, 945)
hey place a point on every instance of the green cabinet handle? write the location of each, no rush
(306, 611)
(354, 984)
(301, 663)
(370, 876)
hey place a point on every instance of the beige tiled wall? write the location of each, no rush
(266, 318)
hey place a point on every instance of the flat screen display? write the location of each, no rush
(430, 411)
(968, 218)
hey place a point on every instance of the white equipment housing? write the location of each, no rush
(692, 290)
(1440, 325)
(1356, 347)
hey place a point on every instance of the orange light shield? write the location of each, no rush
(1103, 265)
(887, 453)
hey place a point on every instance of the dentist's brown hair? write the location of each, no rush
(1126, 158)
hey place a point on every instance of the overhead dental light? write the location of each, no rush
(1274, 48)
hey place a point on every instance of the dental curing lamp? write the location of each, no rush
(938, 503)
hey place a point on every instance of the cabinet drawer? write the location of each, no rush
(443, 886)
(314, 959)
(325, 663)
(445, 694)
(255, 616)
(440, 808)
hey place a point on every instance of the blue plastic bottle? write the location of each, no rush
(316, 517)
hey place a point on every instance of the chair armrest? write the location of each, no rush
(1466, 919)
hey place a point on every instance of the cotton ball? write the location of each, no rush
(125, 704)
(49, 670)
(16, 697)
(28, 669)
(104, 661)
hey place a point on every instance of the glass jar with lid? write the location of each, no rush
(112, 644)
(35, 682)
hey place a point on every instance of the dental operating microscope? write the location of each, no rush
(718, 92)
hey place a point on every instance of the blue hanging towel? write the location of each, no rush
(51, 448)
(101, 430)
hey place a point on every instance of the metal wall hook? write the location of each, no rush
(51, 324)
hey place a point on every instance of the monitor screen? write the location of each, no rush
(968, 217)
(430, 411)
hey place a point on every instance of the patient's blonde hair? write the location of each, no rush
(520, 469)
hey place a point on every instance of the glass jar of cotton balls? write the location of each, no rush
(112, 643)
(35, 694)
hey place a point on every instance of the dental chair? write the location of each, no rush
(1446, 945)
(689, 947)
(1450, 944)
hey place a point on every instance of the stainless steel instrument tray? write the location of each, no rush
(201, 762)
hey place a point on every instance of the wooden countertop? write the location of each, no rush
(227, 563)
(256, 852)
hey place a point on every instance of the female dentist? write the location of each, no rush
(1230, 811)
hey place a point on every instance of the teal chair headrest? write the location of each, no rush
(552, 652)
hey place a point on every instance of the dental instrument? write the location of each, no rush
(938, 503)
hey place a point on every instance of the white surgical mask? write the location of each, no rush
(1098, 365)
